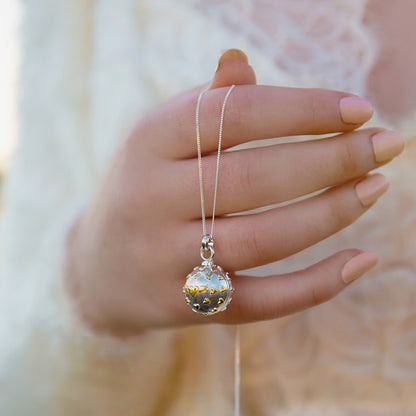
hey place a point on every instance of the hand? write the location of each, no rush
(129, 253)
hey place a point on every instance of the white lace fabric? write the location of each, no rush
(301, 39)
(90, 69)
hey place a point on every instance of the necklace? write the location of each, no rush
(208, 288)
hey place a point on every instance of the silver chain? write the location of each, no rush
(198, 143)
(207, 241)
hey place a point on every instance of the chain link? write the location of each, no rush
(198, 143)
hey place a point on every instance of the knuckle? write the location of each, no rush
(248, 171)
(322, 287)
(314, 110)
(237, 113)
(314, 104)
(262, 310)
(338, 211)
(348, 161)
(254, 243)
(241, 105)
(246, 245)
(316, 295)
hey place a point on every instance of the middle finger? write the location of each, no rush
(253, 178)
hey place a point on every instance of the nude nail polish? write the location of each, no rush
(358, 265)
(387, 145)
(355, 110)
(371, 188)
(232, 54)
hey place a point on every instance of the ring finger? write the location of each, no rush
(246, 241)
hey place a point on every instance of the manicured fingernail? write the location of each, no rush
(232, 54)
(387, 145)
(355, 110)
(371, 188)
(358, 265)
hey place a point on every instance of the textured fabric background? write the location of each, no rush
(90, 70)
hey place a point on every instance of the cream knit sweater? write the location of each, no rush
(90, 69)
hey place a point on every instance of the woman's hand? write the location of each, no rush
(129, 253)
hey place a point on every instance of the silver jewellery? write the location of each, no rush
(208, 288)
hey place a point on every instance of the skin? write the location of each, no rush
(391, 81)
(130, 250)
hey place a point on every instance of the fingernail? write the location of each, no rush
(358, 265)
(371, 188)
(232, 54)
(355, 110)
(386, 145)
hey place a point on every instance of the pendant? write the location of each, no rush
(208, 288)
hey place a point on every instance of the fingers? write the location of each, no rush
(254, 112)
(246, 241)
(253, 178)
(274, 296)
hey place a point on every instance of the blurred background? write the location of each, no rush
(9, 21)
(357, 352)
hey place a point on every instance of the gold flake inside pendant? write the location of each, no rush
(208, 288)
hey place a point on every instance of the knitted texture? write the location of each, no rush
(90, 70)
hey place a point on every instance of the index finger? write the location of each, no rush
(254, 112)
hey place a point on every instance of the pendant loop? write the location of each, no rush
(207, 244)
(211, 254)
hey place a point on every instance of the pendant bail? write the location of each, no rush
(207, 244)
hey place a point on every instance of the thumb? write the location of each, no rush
(233, 68)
